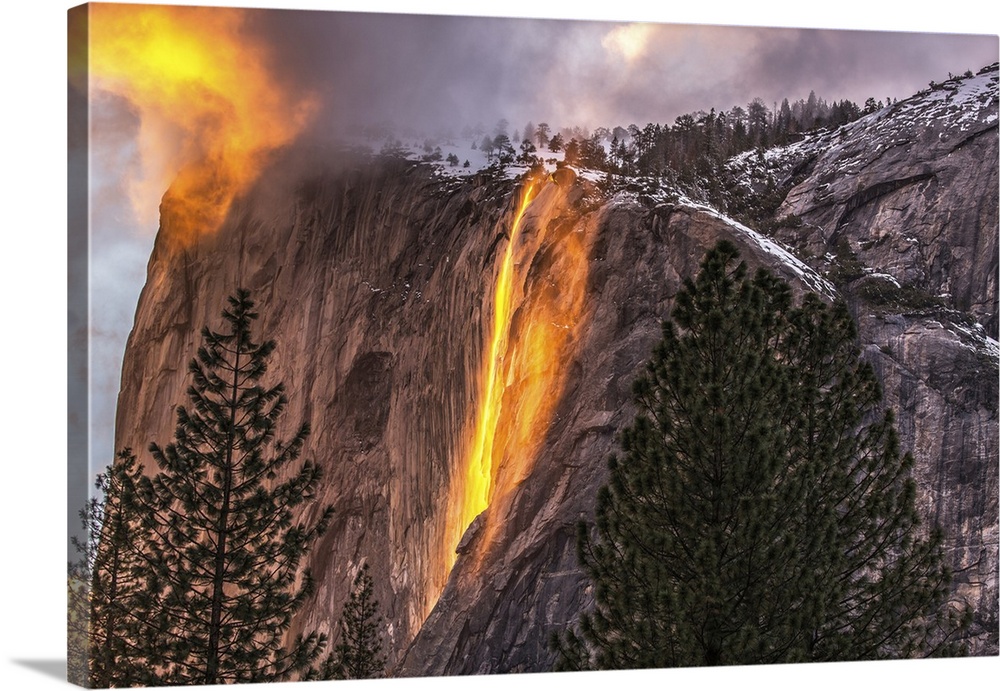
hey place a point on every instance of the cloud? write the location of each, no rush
(450, 71)
(628, 41)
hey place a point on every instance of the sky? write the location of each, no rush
(435, 71)
(34, 213)
(432, 70)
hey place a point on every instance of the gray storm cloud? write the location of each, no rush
(432, 72)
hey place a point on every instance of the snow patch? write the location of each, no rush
(871, 273)
(802, 271)
(980, 341)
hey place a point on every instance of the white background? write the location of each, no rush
(33, 309)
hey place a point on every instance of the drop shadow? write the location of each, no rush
(51, 668)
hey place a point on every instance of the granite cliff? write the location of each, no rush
(379, 278)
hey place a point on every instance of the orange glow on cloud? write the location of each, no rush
(210, 108)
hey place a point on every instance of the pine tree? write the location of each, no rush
(359, 653)
(225, 548)
(78, 595)
(107, 587)
(761, 511)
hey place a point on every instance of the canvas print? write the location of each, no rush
(408, 345)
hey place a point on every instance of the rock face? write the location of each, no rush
(944, 386)
(909, 192)
(371, 282)
(377, 281)
(904, 205)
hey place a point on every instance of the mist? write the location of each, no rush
(434, 73)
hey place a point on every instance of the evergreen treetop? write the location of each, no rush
(192, 576)
(358, 655)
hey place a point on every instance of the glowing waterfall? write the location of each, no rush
(535, 320)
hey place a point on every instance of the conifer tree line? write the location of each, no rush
(695, 146)
(191, 574)
(698, 143)
(760, 510)
(691, 154)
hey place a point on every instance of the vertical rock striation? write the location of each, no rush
(371, 280)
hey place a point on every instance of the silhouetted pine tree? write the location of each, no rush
(108, 586)
(225, 548)
(359, 653)
(760, 511)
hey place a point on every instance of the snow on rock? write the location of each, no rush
(800, 269)
(891, 190)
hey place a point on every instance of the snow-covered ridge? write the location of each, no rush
(977, 334)
(802, 271)
(960, 102)
(960, 105)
